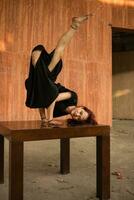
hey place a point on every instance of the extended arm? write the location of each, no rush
(47, 114)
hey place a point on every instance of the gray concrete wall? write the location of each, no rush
(123, 85)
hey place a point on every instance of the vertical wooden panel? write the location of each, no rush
(123, 14)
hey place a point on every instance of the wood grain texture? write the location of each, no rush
(34, 130)
(123, 14)
(16, 170)
(87, 60)
(20, 131)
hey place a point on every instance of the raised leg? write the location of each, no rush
(65, 40)
(103, 167)
(65, 156)
(15, 170)
(1, 159)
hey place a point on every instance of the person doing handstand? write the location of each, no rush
(51, 98)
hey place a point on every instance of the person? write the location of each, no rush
(51, 98)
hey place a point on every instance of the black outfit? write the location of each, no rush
(41, 87)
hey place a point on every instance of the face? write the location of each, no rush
(79, 114)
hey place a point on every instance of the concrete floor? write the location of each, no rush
(42, 180)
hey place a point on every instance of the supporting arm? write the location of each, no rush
(47, 114)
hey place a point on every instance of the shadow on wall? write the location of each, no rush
(123, 73)
(123, 95)
(122, 62)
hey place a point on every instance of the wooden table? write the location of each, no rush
(20, 131)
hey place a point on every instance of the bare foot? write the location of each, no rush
(76, 21)
(80, 19)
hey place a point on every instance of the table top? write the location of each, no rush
(36, 130)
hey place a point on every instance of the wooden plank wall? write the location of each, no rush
(87, 60)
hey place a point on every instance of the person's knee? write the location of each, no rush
(59, 51)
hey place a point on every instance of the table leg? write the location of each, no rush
(1, 159)
(103, 167)
(15, 170)
(65, 155)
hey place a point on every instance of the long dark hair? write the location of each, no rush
(91, 120)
